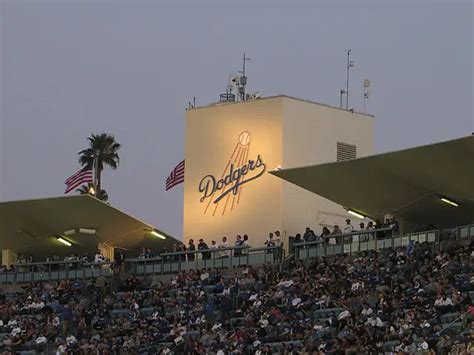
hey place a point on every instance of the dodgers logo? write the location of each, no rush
(224, 192)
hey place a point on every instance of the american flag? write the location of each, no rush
(83, 176)
(176, 176)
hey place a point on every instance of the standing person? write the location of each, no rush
(238, 243)
(270, 242)
(191, 247)
(119, 257)
(164, 255)
(336, 232)
(394, 225)
(297, 239)
(379, 234)
(279, 244)
(214, 247)
(278, 241)
(142, 254)
(175, 250)
(348, 228)
(182, 248)
(360, 237)
(326, 232)
(387, 224)
(245, 241)
(99, 258)
(307, 235)
(370, 226)
(224, 244)
(203, 247)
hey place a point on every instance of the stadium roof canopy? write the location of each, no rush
(407, 183)
(33, 226)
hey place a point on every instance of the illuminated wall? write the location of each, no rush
(231, 147)
(310, 136)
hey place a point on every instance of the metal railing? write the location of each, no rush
(166, 263)
(219, 258)
(56, 271)
(360, 241)
(464, 232)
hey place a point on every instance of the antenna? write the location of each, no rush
(350, 64)
(193, 104)
(366, 91)
(237, 84)
(243, 79)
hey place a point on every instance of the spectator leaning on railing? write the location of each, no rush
(238, 243)
(205, 253)
(191, 247)
(99, 257)
(224, 244)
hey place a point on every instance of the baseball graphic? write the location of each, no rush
(244, 138)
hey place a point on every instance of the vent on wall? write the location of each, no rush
(346, 151)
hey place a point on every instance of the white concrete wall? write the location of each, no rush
(283, 131)
(310, 135)
(211, 136)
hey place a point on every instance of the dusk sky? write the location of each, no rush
(129, 68)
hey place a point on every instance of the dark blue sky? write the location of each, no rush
(70, 68)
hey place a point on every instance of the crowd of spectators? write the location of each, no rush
(26, 263)
(217, 250)
(398, 301)
(181, 252)
(337, 235)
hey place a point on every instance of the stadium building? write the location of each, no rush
(262, 165)
(231, 148)
(119, 285)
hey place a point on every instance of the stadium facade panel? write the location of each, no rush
(229, 150)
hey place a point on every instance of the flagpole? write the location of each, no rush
(95, 167)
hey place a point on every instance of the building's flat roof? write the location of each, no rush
(407, 183)
(31, 226)
(220, 104)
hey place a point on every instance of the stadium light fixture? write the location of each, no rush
(157, 234)
(87, 231)
(356, 214)
(64, 241)
(449, 202)
(91, 191)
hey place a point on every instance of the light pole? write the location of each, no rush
(350, 64)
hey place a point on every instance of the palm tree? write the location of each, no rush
(89, 189)
(104, 148)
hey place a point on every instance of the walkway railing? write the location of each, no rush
(351, 243)
(166, 263)
(464, 232)
(360, 241)
(55, 271)
(210, 258)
